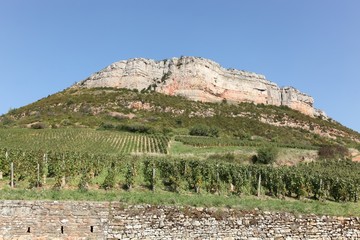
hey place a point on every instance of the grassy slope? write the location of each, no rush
(91, 107)
(204, 200)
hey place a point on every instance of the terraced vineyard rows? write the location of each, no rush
(83, 140)
(201, 141)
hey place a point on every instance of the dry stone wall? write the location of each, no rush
(198, 79)
(113, 220)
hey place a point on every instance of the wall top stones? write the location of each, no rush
(198, 79)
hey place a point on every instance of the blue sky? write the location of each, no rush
(46, 46)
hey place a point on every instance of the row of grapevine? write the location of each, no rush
(198, 141)
(317, 181)
(83, 140)
(335, 180)
(33, 165)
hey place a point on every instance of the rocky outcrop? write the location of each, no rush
(198, 79)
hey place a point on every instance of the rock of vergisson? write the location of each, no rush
(198, 79)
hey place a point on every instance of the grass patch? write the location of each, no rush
(178, 148)
(197, 200)
(293, 156)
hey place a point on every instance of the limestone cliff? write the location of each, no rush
(198, 79)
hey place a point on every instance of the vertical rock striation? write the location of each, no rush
(198, 79)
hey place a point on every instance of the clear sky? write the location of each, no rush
(46, 46)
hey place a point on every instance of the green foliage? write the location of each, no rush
(333, 152)
(106, 126)
(198, 141)
(132, 128)
(91, 107)
(227, 157)
(38, 125)
(266, 155)
(166, 76)
(170, 173)
(135, 128)
(203, 130)
(245, 203)
(84, 181)
(336, 180)
(130, 175)
(83, 140)
(6, 121)
(150, 173)
(110, 180)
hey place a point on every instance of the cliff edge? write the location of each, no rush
(199, 79)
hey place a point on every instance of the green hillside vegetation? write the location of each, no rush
(330, 180)
(83, 140)
(95, 140)
(121, 109)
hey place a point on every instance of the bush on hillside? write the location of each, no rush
(203, 130)
(266, 155)
(136, 128)
(38, 125)
(106, 126)
(5, 120)
(333, 152)
(133, 128)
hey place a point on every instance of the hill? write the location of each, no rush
(152, 112)
(89, 137)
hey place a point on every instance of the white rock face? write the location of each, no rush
(198, 79)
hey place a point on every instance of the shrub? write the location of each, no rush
(266, 155)
(166, 76)
(70, 102)
(333, 152)
(213, 132)
(65, 122)
(228, 157)
(178, 122)
(6, 120)
(203, 130)
(106, 126)
(38, 125)
(136, 128)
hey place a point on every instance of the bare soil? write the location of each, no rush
(356, 158)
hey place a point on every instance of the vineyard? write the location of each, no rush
(83, 140)
(322, 180)
(83, 158)
(198, 141)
